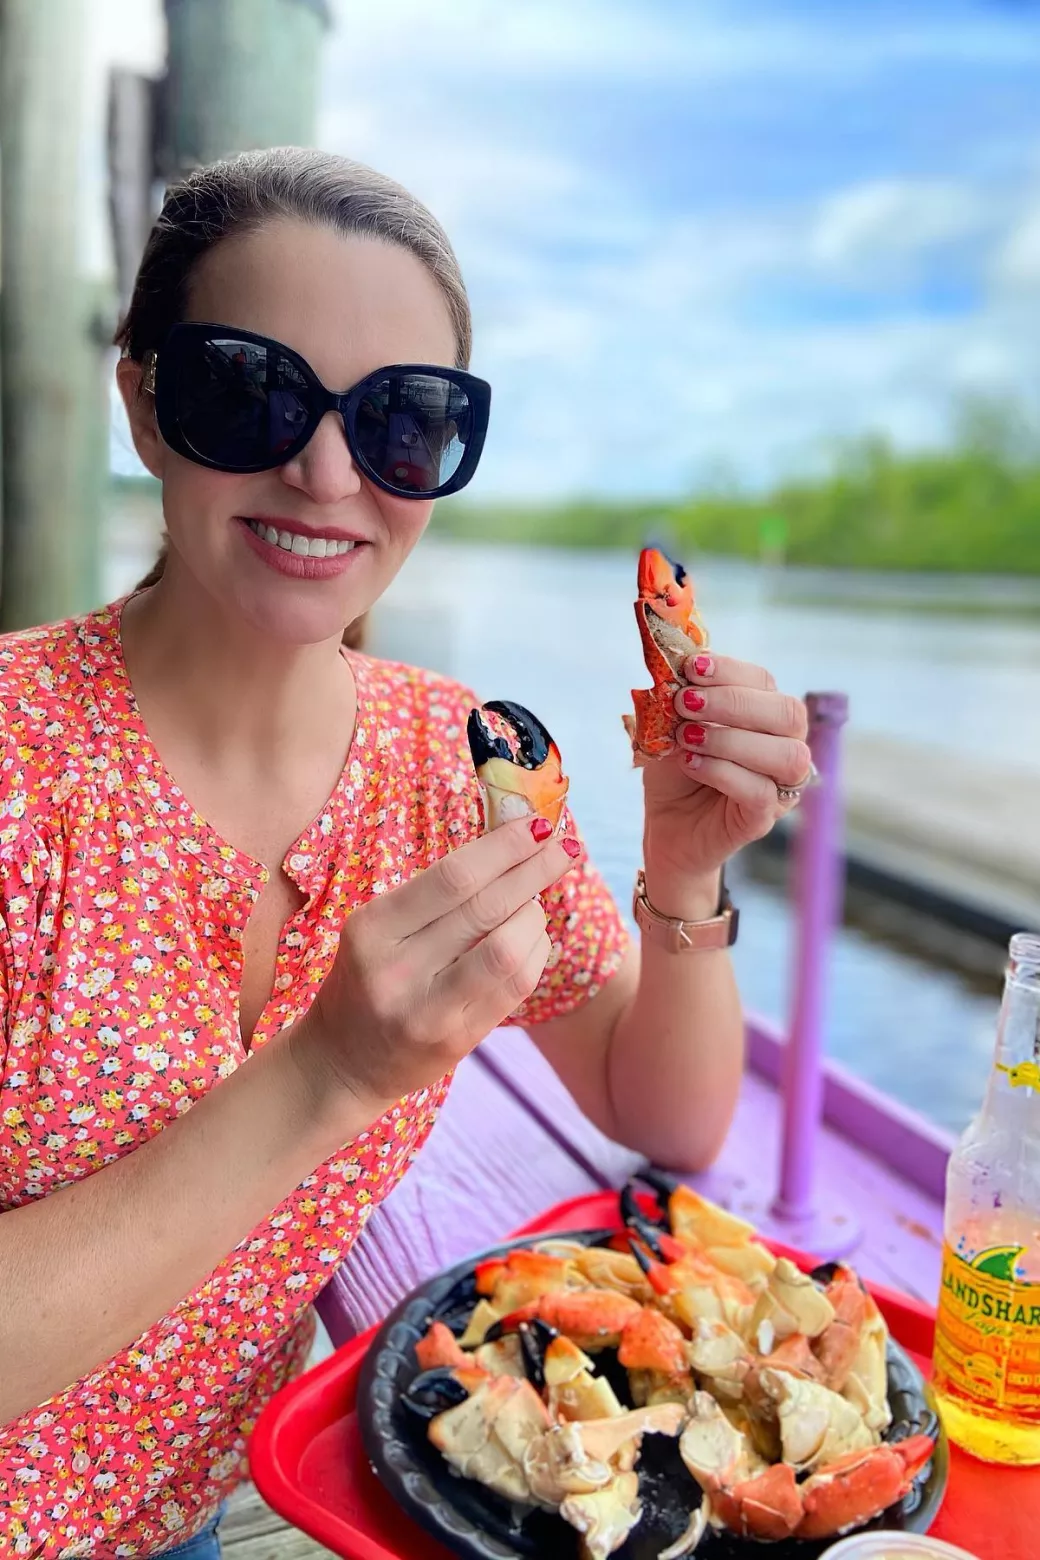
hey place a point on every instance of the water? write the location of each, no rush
(555, 630)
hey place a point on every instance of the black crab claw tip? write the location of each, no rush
(431, 1392)
(642, 1256)
(534, 739)
(660, 1181)
(648, 1234)
(535, 1338)
(483, 744)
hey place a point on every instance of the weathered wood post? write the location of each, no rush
(242, 74)
(50, 324)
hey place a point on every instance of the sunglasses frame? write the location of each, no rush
(160, 377)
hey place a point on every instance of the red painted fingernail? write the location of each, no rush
(693, 700)
(693, 734)
(693, 760)
(704, 665)
(541, 828)
(572, 848)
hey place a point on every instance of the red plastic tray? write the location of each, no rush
(309, 1464)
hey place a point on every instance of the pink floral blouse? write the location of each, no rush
(122, 916)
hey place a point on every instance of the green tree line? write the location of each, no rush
(974, 507)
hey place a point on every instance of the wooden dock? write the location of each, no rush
(252, 1531)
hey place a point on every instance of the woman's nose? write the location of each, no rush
(324, 469)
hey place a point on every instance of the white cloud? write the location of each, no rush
(1017, 264)
(632, 343)
(884, 225)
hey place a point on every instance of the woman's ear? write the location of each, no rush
(140, 412)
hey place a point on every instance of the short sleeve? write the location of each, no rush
(589, 941)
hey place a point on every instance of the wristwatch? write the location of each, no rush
(685, 936)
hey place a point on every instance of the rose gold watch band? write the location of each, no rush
(685, 936)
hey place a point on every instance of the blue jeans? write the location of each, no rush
(204, 1546)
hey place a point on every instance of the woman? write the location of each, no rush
(227, 835)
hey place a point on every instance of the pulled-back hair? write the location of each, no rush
(243, 193)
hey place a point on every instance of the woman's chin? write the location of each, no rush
(296, 615)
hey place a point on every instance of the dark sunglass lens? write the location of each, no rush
(411, 430)
(240, 403)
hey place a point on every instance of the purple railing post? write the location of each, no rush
(818, 877)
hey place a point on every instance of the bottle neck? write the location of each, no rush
(1016, 1069)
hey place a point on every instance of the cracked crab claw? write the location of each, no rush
(604, 1518)
(816, 1425)
(671, 631)
(746, 1495)
(520, 782)
(485, 1436)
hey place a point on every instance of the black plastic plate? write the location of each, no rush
(475, 1523)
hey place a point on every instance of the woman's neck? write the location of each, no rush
(227, 690)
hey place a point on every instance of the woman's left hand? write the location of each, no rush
(739, 739)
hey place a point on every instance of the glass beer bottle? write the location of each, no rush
(987, 1332)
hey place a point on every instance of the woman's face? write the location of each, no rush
(348, 306)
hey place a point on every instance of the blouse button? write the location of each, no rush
(81, 1462)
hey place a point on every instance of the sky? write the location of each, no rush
(709, 242)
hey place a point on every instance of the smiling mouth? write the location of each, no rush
(302, 546)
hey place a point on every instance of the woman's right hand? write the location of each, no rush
(425, 972)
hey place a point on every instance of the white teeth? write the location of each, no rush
(302, 546)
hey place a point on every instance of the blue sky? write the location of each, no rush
(707, 239)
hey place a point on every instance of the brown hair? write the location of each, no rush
(241, 194)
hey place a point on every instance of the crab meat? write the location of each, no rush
(486, 1437)
(605, 1517)
(572, 1390)
(746, 1494)
(483, 1318)
(816, 1425)
(721, 1356)
(605, 1269)
(577, 1458)
(867, 1385)
(689, 1286)
(791, 1303)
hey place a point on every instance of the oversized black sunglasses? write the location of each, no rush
(238, 402)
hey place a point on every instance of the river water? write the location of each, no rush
(554, 629)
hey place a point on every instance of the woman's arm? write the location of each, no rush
(421, 975)
(655, 1059)
(84, 1271)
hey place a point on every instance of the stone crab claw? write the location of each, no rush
(861, 1485)
(851, 1350)
(694, 1223)
(671, 630)
(591, 1318)
(755, 1499)
(525, 782)
(481, 1425)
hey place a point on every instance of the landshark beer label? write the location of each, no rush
(987, 1333)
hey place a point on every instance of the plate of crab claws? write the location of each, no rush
(667, 1389)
